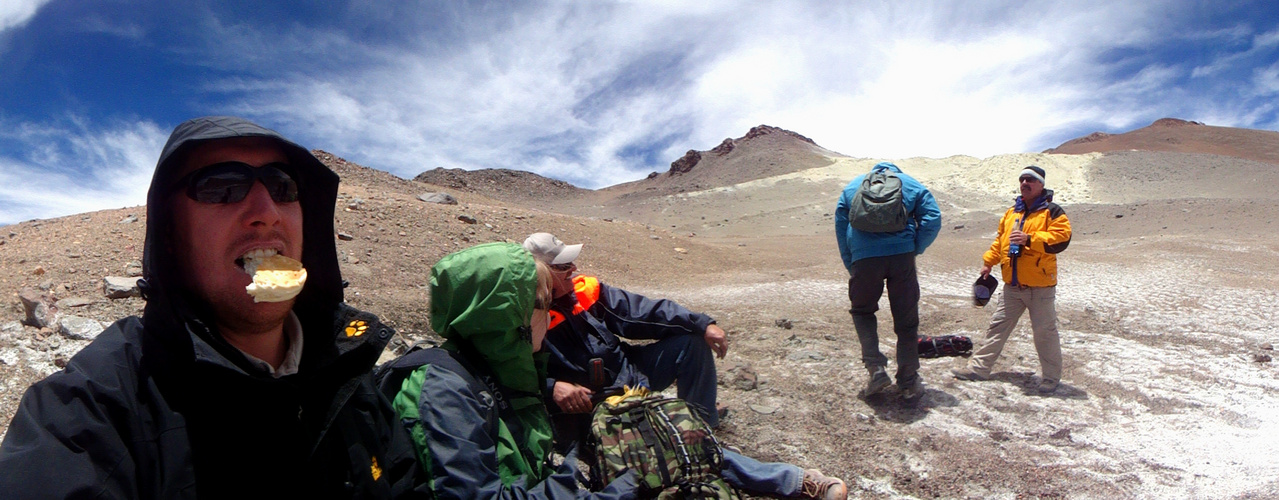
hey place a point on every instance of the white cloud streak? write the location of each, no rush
(605, 92)
(76, 167)
(568, 91)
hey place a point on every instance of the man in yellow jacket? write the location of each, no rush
(1030, 236)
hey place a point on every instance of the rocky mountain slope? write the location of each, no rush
(1167, 300)
(1181, 136)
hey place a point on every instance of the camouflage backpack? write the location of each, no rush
(667, 444)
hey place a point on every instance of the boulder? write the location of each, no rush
(78, 328)
(119, 287)
(37, 311)
(440, 198)
(70, 302)
(743, 378)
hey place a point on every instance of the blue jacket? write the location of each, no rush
(586, 325)
(855, 245)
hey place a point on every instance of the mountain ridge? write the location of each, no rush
(1180, 136)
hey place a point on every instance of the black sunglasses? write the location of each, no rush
(562, 267)
(231, 181)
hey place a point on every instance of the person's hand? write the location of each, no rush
(985, 270)
(718, 341)
(1018, 237)
(572, 398)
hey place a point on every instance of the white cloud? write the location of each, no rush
(74, 167)
(14, 13)
(605, 93)
(1260, 46)
(1266, 80)
(125, 30)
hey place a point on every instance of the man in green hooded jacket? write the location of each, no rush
(476, 416)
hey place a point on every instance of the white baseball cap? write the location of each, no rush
(549, 249)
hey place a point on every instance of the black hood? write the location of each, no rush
(169, 306)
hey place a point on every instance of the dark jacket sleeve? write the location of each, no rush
(635, 316)
(461, 443)
(63, 443)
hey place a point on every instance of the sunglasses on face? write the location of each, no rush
(563, 267)
(1027, 179)
(231, 181)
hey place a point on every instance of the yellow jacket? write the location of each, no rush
(1049, 231)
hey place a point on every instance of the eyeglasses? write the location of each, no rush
(1027, 179)
(563, 267)
(231, 181)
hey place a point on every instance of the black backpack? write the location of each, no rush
(945, 345)
(877, 207)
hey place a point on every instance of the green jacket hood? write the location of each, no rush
(482, 300)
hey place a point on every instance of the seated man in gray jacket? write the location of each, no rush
(587, 357)
(587, 361)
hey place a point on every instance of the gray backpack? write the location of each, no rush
(877, 207)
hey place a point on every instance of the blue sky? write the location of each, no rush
(599, 92)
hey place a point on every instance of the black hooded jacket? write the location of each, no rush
(162, 407)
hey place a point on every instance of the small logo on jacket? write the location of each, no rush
(377, 471)
(356, 328)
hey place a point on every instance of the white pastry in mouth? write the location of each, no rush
(276, 278)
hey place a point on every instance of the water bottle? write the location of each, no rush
(1014, 250)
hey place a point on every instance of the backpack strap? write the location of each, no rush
(645, 429)
(390, 377)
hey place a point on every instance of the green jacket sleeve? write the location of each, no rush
(459, 440)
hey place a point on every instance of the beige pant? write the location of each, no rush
(1041, 302)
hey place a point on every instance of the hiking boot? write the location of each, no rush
(911, 390)
(878, 381)
(967, 373)
(819, 486)
(1047, 385)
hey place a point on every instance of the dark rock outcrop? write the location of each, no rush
(686, 163)
(766, 129)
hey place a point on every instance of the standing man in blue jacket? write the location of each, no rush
(875, 257)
